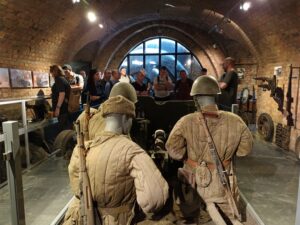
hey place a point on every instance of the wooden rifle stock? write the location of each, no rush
(221, 170)
(290, 121)
(87, 109)
(87, 215)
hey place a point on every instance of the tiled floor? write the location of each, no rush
(269, 180)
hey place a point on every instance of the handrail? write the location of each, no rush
(7, 101)
(58, 219)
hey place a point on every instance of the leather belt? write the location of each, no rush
(210, 166)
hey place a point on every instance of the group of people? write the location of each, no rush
(98, 85)
(122, 175)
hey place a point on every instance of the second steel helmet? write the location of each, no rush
(205, 85)
(124, 89)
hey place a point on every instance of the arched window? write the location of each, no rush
(156, 52)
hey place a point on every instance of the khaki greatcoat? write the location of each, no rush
(187, 140)
(120, 173)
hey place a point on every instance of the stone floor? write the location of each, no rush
(268, 180)
(46, 192)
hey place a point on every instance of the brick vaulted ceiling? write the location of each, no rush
(36, 33)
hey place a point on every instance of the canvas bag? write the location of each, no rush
(74, 100)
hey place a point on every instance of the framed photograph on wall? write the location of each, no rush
(40, 79)
(20, 78)
(241, 72)
(4, 78)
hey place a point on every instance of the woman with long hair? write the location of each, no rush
(94, 88)
(60, 96)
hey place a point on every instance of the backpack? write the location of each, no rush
(74, 100)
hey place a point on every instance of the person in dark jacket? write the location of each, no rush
(183, 87)
(60, 96)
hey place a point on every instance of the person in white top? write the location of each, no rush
(124, 77)
(75, 80)
(162, 85)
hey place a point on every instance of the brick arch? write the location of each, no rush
(200, 48)
(115, 50)
(231, 30)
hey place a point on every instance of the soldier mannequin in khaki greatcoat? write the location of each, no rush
(188, 141)
(120, 172)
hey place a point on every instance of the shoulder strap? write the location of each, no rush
(221, 171)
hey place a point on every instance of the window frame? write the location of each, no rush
(159, 54)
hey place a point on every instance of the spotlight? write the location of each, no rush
(170, 5)
(245, 6)
(100, 25)
(91, 17)
(75, 1)
(188, 62)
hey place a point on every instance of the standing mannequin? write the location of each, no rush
(188, 142)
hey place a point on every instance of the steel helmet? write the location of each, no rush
(205, 85)
(124, 89)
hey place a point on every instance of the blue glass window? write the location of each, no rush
(153, 53)
(152, 46)
(181, 49)
(151, 66)
(167, 46)
(138, 50)
(135, 64)
(184, 62)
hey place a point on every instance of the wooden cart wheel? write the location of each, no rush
(65, 141)
(265, 126)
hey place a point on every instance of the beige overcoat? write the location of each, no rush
(120, 173)
(187, 140)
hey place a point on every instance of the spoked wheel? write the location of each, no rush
(265, 126)
(65, 142)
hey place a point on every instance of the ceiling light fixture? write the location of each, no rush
(170, 5)
(75, 1)
(100, 25)
(245, 6)
(91, 16)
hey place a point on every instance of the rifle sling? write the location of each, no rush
(219, 166)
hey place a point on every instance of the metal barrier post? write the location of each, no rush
(14, 172)
(25, 126)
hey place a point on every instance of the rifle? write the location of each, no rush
(87, 215)
(289, 118)
(276, 92)
(272, 83)
(87, 110)
(221, 171)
